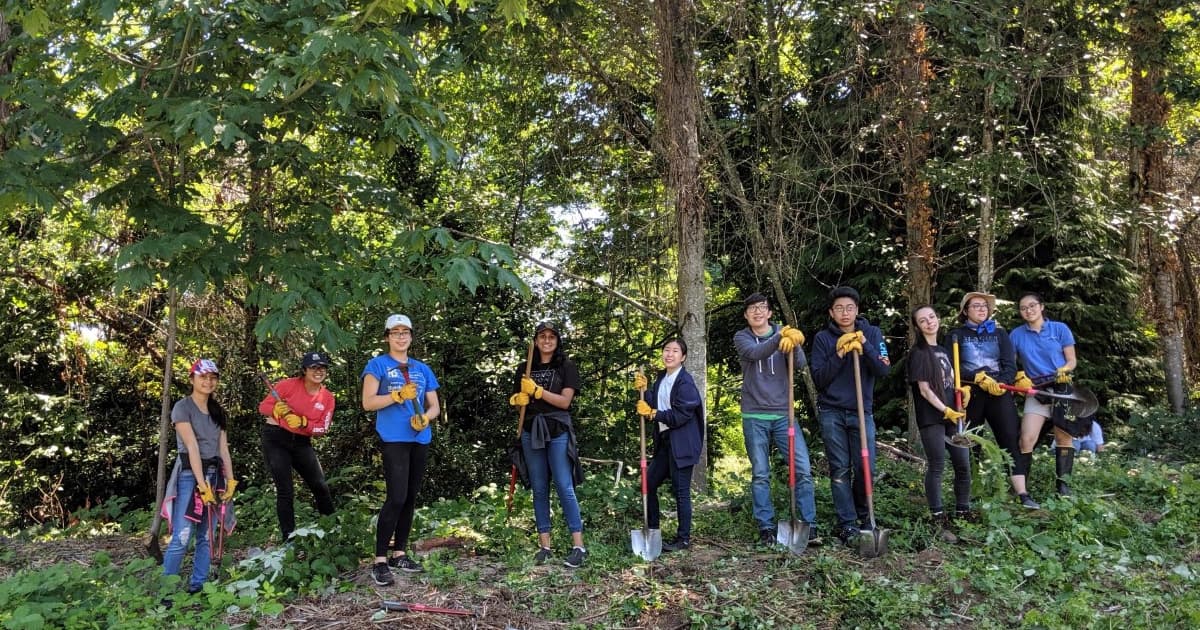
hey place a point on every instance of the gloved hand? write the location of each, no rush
(418, 422)
(206, 492)
(639, 381)
(1022, 381)
(786, 345)
(1062, 375)
(531, 388)
(519, 399)
(408, 391)
(281, 410)
(396, 397)
(793, 334)
(953, 415)
(988, 384)
(966, 395)
(230, 486)
(853, 346)
(296, 421)
(844, 342)
(645, 409)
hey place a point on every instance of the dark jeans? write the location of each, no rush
(285, 451)
(843, 449)
(403, 468)
(661, 468)
(1001, 415)
(933, 438)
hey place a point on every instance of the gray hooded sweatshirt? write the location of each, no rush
(764, 372)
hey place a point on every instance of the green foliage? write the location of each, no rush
(1158, 432)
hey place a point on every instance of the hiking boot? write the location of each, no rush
(543, 554)
(192, 589)
(966, 515)
(382, 574)
(677, 544)
(405, 564)
(1028, 503)
(814, 539)
(766, 537)
(848, 535)
(576, 557)
(944, 528)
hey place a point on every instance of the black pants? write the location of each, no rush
(403, 469)
(1000, 412)
(285, 451)
(661, 468)
(933, 438)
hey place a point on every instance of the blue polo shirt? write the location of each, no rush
(1041, 352)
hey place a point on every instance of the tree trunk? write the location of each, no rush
(164, 426)
(1149, 173)
(678, 105)
(6, 61)
(987, 213)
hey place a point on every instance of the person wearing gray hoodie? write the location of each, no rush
(762, 349)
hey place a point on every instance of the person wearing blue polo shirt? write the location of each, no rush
(403, 393)
(1046, 350)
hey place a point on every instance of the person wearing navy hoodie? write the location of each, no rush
(837, 403)
(988, 359)
(674, 406)
(762, 349)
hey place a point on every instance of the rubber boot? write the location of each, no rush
(1064, 461)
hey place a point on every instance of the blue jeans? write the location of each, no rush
(546, 464)
(839, 428)
(182, 530)
(758, 435)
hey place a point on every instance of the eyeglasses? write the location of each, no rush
(844, 308)
(1029, 308)
(400, 334)
(322, 368)
(757, 308)
(977, 305)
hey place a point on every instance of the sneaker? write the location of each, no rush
(543, 554)
(814, 538)
(192, 589)
(382, 574)
(406, 564)
(848, 535)
(766, 537)
(1029, 503)
(576, 557)
(677, 544)
(943, 527)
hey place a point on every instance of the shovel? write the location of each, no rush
(871, 544)
(958, 439)
(646, 542)
(512, 479)
(1083, 401)
(793, 534)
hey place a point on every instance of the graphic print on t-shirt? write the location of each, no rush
(547, 379)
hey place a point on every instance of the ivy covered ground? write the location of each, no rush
(1123, 552)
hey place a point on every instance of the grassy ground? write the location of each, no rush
(1122, 552)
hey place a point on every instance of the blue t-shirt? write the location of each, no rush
(393, 421)
(1041, 353)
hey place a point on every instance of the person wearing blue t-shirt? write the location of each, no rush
(1046, 349)
(403, 393)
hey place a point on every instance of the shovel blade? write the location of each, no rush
(873, 543)
(646, 543)
(793, 535)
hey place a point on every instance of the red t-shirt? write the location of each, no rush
(317, 408)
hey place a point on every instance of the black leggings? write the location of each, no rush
(1001, 415)
(403, 468)
(933, 438)
(284, 451)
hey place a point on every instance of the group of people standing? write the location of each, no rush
(402, 392)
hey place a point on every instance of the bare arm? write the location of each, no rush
(223, 443)
(1069, 353)
(928, 394)
(433, 408)
(562, 400)
(371, 399)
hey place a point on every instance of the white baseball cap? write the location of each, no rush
(397, 320)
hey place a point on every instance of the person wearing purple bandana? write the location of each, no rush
(987, 359)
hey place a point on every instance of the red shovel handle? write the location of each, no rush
(791, 454)
(645, 487)
(866, 458)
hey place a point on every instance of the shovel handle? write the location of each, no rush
(792, 455)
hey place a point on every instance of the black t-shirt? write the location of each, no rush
(552, 378)
(932, 365)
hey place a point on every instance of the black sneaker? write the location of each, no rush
(814, 538)
(1028, 503)
(677, 544)
(382, 574)
(848, 535)
(576, 557)
(195, 588)
(406, 564)
(543, 554)
(766, 537)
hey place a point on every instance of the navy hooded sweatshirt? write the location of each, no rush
(834, 377)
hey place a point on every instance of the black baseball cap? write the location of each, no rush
(314, 359)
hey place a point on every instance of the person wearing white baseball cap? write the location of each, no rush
(402, 392)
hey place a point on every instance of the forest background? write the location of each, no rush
(247, 180)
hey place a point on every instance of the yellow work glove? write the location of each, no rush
(418, 422)
(230, 486)
(645, 409)
(952, 415)
(1062, 375)
(531, 388)
(966, 395)
(1022, 381)
(206, 493)
(639, 381)
(296, 421)
(856, 337)
(281, 410)
(786, 345)
(988, 384)
(793, 334)
(519, 399)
